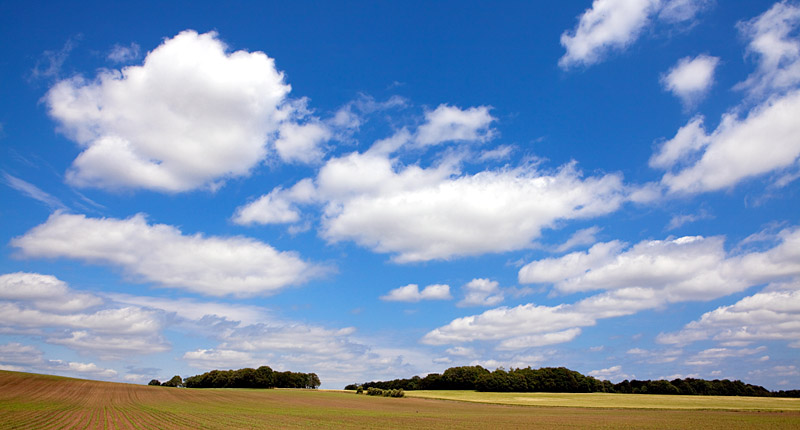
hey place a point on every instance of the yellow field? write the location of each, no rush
(623, 401)
(45, 402)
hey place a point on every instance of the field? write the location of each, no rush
(43, 402)
(618, 401)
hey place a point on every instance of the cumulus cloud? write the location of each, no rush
(424, 214)
(648, 275)
(551, 270)
(336, 355)
(767, 315)
(520, 326)
(685, 268)
(774, 43)
(734, 151)
(411, 293)
(420, 214)
(586, 236)
(613, 25)
(698, 161)
(44, 292)
(277, 207)
(713, 356)
(302, 142)
(450, 123)
(613, 373)
(78, 320)
(608, 25)
(190, 116)
(161, 253)
(220, 359)
(18, 357)
(691, 78)
(481, 292)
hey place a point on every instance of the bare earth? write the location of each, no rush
(42, 402)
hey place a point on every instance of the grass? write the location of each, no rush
(616, 401)
(30, 401)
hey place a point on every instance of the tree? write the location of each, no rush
(176, 381)
(154, 382)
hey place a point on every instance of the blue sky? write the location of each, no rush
(379, 190)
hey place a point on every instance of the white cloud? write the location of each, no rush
(685, 268)
(450, 123)
(29, 358)
(500, 152)
(190, 116)
(690, 139)
(735, 150)
(608, 25)
(767, 315)
(648, 275)
(678, 221)
(196, 310)
(111, 347)
(31, 190)
(697, 161)
(302, 142)
(613, 25)
(586, 236)
(16, 353)
(45, 292)
(535, 340)
(550, 270)
(46, 307)
(421, 214)
(220, 359)
(50, 63)
(691, 78)
(160, 253)
(676, 11)
(424, 214)
(713, 356)
(481, 292)
(461, 351)
(276, 207)
(411, 293)
(656, 356)
(614, 373)
(124, 54)
(778, 53)
(517, 326)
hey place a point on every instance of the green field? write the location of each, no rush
(44, 402)
(623, 401)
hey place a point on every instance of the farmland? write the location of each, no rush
(36, 401)
(616, 401)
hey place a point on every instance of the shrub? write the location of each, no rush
(360, 389)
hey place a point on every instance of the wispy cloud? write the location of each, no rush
(32, 191)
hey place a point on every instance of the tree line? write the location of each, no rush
(263, 377)
(563, 380)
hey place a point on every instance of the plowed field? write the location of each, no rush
(45, 402)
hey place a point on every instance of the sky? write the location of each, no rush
(376, 190)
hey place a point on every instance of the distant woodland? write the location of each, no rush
(263, 377)
(563, 380)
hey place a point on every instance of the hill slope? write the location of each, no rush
(43, 402)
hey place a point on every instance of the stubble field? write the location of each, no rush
(42, 402)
